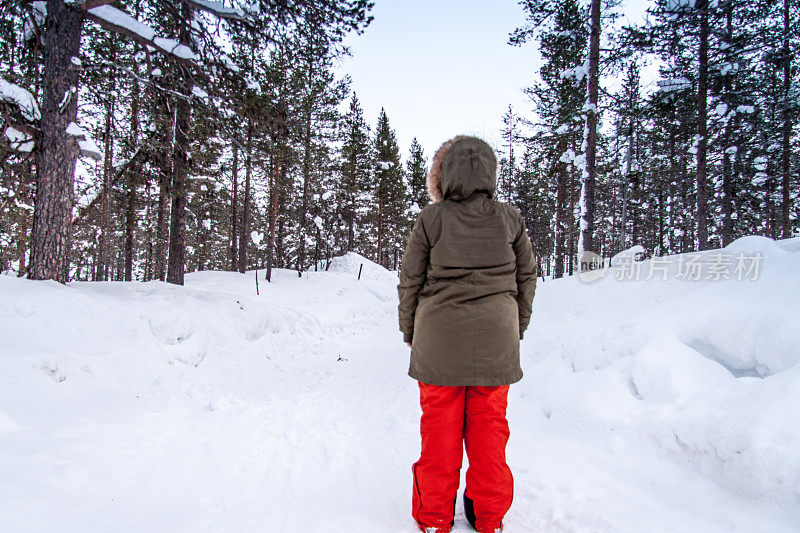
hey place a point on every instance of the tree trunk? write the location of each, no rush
(180, 176)
(52, 217)
(148, 260)
(233, 251)
(787, 126)
(560, 217)
(380, 230)
(301, 258)
(22, 231)
(727, 178)
(351, 218)
(162, 228)
(248, 168)
(625, 183)
(702, 123)
(571, 234)
(131, 177)
(586, 241)
(105, 210)
(130, 185)
(273, 212)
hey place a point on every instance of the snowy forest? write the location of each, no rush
(146, 139)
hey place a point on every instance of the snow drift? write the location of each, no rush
(658, 404)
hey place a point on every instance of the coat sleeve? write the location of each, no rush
(413, 273)
(526, 275)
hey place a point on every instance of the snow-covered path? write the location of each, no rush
(145, 407)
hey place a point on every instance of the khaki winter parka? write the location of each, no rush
(468, 275)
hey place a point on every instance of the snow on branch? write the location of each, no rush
(19, 141)
(220, 10)
(675, 84)
(23, 99)
(85, 143)
(577, 73)
(118, 21)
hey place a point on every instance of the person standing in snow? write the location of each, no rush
(466, 290)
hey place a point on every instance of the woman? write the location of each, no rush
(466, 290)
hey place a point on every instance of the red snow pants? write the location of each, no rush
(476, 417)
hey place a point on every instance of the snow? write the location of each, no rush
(198, 92)
(87, 146)
(318, 222)
(123, 20)
(659, 406)
(631, 254)
(19, 140)
(76, 131)
(23, 99)
(351, 262)
(219, 9)
(675, 84)
(568, 156)
(90, 149)
(665, 369)
(589, 107)
(576, 73)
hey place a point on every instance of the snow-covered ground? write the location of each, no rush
(652, 405)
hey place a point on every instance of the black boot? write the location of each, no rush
(469, 510)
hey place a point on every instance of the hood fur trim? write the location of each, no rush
(434, 178)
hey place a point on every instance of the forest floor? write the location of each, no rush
(652, 405)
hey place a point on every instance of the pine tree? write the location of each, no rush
(589, 171)
(390, 193)
(355, 187)
(508, 162)
(559, 101)
(416, 170)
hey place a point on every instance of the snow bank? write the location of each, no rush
(662, 404)
(705, 369)
(351, 262)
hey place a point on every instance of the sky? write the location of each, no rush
(441, 68)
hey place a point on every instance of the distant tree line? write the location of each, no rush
(707, 156)
(145, 139)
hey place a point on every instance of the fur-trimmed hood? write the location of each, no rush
(460, 167)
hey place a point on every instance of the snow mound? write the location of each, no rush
(666, 369)
(350, 263)
(790, 245)
(626, 256)
(710, 362)
(754, 244)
